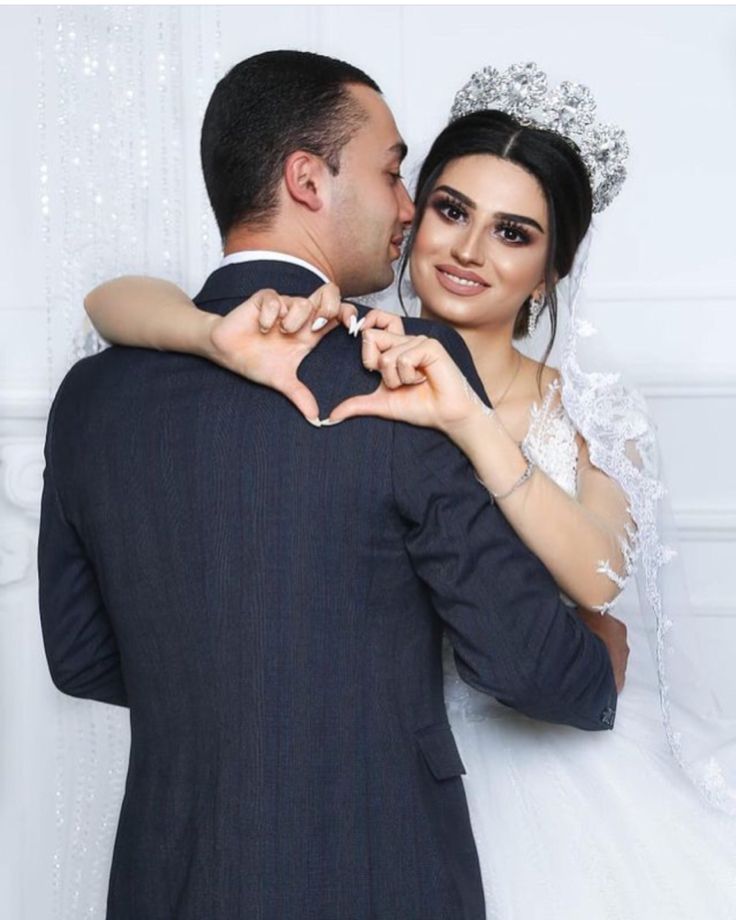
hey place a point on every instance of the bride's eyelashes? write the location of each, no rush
(449, 208)
(452, 211)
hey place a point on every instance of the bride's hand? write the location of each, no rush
(292, 327)
(420, 384)
(380, 319)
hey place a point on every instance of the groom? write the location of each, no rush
(269, 598)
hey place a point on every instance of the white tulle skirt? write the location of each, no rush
(574, 825)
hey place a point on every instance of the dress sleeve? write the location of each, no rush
(604, 497)
(561, 452)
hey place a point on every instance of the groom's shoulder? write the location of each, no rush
(106, 361)
(450, 338)
(95, 378)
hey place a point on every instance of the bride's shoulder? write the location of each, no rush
(543, 385)
(543, 404)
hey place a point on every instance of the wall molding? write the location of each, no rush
(623, 292)
(705, 525)
(24, 404)
(683, 383)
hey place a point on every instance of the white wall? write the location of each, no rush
(662, 276)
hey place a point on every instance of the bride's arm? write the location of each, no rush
(150, 313)
(580, 539)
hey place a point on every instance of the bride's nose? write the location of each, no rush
(468, 247)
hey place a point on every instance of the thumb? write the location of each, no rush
(301, 396)
(375, 404)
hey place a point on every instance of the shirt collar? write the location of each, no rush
(253, 255)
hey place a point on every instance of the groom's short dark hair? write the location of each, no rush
(263, 110)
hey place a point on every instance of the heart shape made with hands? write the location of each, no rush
(266, 338)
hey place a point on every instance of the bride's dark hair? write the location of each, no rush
(553, 161)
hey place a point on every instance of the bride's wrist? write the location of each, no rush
(203, 344)
(464, 430)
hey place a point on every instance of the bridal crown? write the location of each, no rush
(569, 109)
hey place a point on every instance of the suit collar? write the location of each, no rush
(239, 281)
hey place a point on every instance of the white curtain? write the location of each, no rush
(120, 95)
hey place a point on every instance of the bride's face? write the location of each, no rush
(481, 246)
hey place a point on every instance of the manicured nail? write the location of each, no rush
(315, 421)
(326, 423)
(351, 327)
(358, 326)
(319, 323)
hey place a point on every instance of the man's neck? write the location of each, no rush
(244, 240)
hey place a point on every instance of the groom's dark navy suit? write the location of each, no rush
(269, 600)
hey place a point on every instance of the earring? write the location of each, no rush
(536, 305)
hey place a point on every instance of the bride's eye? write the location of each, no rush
(512, 233)
(449, 209)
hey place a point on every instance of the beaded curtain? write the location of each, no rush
(121, 96)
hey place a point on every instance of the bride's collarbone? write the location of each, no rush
(516, 409)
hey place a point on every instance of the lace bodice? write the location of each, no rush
(550, 441)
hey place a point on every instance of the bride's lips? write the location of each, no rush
(396, 243)
(469, 285)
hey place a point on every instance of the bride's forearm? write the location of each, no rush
(569, 538)
(149, 313)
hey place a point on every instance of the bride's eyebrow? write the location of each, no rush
(463, 199)
(499, 215)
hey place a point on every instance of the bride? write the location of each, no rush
(568, 824)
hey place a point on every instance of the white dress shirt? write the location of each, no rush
(257, 255)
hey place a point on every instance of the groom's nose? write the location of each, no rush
(406, 205)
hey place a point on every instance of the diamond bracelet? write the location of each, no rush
(527, 474)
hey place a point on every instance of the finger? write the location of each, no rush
(375, 404)
(348, 315)
(411, 350)
(375, 343)
(380, 319)
(370, 352)
(397, 361)
(384, 340)
(302, 397)
(270, 305)
(408, 366)
(326, 303)
(298, 316)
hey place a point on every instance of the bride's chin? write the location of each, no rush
(440, 305)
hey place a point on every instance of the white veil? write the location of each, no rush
(699, 720)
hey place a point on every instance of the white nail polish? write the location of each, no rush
(351, 327)
(316, 422)
(319, 323)
(326, 423)
(358, 326)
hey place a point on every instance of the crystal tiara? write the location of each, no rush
(568, 110)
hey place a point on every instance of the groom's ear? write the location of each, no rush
(305, 176)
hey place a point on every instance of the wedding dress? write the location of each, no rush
(574, 825)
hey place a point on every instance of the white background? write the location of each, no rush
(662, 280)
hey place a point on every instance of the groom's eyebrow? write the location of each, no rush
(499, 215)
(399, 149)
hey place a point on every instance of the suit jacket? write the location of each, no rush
(269, 601)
